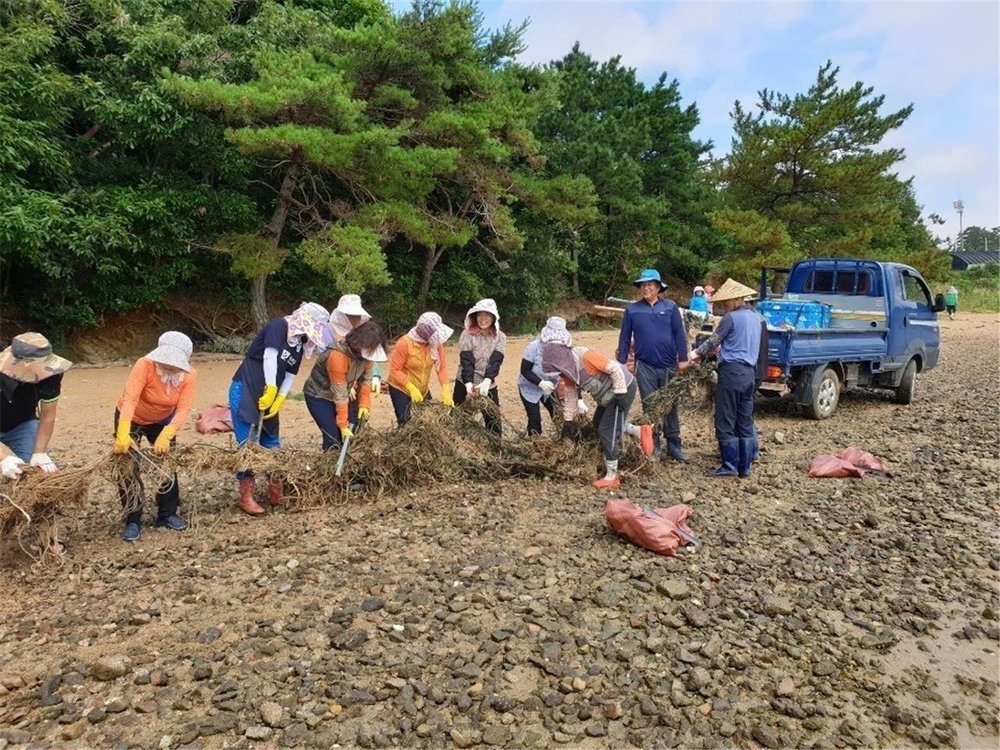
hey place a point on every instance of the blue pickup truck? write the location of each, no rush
(844, 322)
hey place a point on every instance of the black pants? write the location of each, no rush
(401, 404)
(650, 379)
(734, 401)
(131, 491)
(492, 420)
(534, 413)
(610, 423)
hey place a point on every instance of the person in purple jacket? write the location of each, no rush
(654, 325)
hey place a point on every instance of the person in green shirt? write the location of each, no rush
(951, 302)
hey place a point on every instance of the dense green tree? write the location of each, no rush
(815, 164)
(634, 143)
(978, 240)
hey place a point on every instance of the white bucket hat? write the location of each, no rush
(174, 350)
(349, 304)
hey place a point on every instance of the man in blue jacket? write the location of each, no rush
(654, 325)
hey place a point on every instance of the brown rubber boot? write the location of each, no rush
(247, 502)
(276, 491)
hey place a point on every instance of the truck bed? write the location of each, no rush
(796, 348)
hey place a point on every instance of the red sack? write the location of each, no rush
(215, 418)
(863, 460)
(826, 465)
(661, 530)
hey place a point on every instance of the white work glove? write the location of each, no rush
(470, 390)
(43, 462)
(376, 385)
(10, 467)
(353, 393)
(581, 407)
(484, 387)
(547, 387)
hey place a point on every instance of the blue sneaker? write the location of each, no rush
(172, 522)
(132, 532)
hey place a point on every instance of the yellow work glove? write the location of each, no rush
(346, 432)
(122, 438)
(162, 445)
(363, 413)
(273, 411)
(446, 398)
(270, 393)
(415, 395)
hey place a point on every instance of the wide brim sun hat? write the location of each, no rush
(733, 289)
(29, 359)
(172, 356)
(649, 274)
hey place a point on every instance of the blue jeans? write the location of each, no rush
(243, 429)
(734, 401)
(650, 379)
(21, 439)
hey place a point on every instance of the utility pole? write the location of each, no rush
(960, 207)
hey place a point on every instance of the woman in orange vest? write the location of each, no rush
(417, 353)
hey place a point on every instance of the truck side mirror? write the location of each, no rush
(939, 303)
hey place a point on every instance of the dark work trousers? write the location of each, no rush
(608, 430)
(734, 402)
(534, 413)
(131, 491)
(401, 404)
(650, 379)
(324, 414)
(492, 420)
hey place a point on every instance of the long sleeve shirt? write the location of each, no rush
(333, 376)
(411, 362)
(658, 333)
(739, 335)
(148, 400)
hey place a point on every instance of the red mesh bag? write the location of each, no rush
(216, 418)
(660, 530)
(863, 460)
(828, 466)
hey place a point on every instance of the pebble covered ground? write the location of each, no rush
(816, 613)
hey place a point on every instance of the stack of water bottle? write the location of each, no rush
(797, 314)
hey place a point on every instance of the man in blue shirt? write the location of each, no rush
(654, 325)
(739, 336)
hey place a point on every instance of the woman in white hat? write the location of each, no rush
(738, 338)
(262, 382)
(534, 384)
(30, 382)
(337, 392)
(416, 354)
(481, 347)
(350, 313)
(155, 404)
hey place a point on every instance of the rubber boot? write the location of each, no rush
(248, 504)
(610, 480)
(275, 491)
(674, 450)
(646, 439)
(729, 451)
(745, 459)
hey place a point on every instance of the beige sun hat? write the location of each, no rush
(733, 290)
(29, 359)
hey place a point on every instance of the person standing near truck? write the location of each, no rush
(739, 338)
(656, 328)
(951, 302)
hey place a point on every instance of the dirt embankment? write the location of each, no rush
(816, 613)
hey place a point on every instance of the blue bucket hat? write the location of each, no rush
(650, 274)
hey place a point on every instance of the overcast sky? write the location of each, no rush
(939, 56)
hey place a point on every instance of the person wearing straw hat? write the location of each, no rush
(655, 327)
(481, 347)
(31, 382)
(415, 354)
(155, 404)
(738, 338)
(262, 382)
(337, 392)
(348, 315)
(612, 387)
(536, 387)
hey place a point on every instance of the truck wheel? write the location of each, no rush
(825, 395)
(907, 384)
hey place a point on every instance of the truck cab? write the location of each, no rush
(841, 322)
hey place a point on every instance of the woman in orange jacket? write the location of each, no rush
(155, 404)
(338, 392)
(414, 356)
